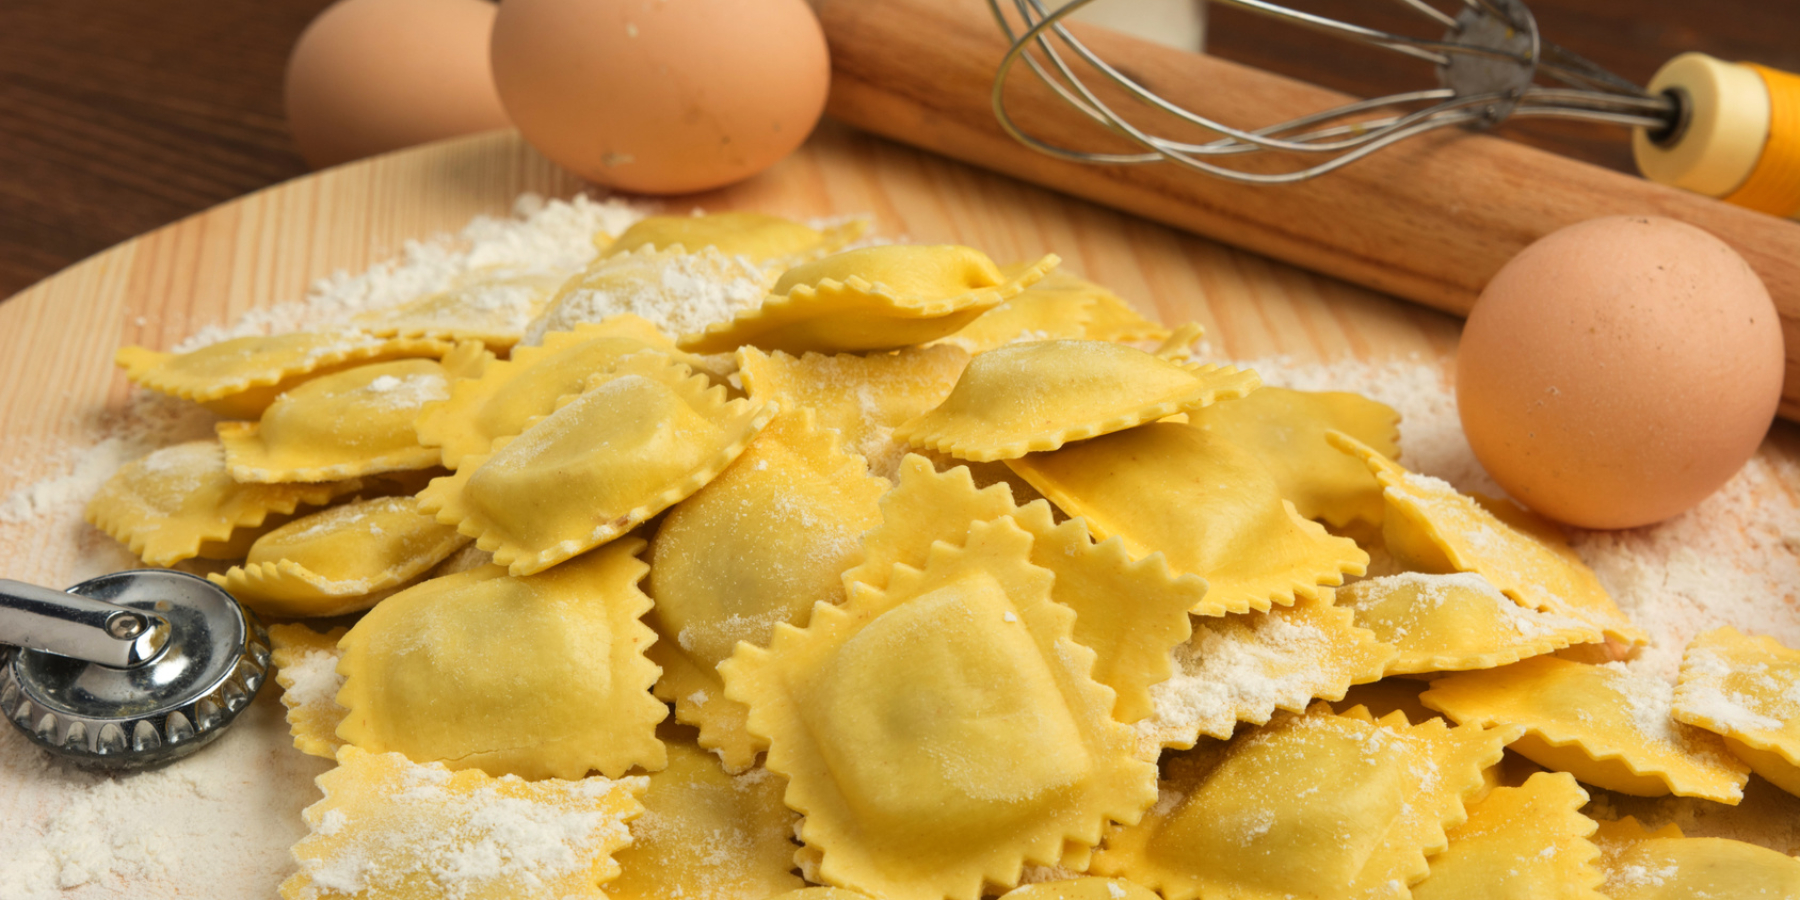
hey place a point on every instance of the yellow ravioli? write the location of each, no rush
(1529, 842)
(1041, 395)
(637, 441)
(1429, 527)
(340, 560)
(509, 395)
(1042, 312)
(1449, 623)
(878, 298)
(1747, 690)
(390, 829)
(1244, 667)
(180, 502)
(1286, 430)
(942, 732)
(707, 835)
(356, 422)
(306, 668)
(821, 893)
(239, 378)
(1089, 888)
(1130, 613)
(491, 307)
(863, 398)
(755, 547)
(1312, 805)
(542, 676)
(683, 290)
(1209, 506)
(1663, 865)
(758, 236)
(1109, 316)
(1606, 725)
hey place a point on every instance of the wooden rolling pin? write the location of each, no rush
(1429, 219)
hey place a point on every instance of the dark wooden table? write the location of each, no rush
(117, 116)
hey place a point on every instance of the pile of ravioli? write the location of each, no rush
(926, 578)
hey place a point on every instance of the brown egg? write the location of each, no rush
(369, 76)
(662, 96)
(1617, 371)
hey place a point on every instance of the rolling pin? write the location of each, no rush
(1429, 219)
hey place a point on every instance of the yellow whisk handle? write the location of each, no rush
(1740, 138)
(1774, 185)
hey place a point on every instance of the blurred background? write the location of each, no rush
(118, 116)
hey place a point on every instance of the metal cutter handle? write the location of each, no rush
(71, 625)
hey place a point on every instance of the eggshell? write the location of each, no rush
(662, 96)
(369, 76)
(1618, 371)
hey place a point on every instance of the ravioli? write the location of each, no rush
(678, 289)
(1132, 639)
(1449, 623)
(1109, 316)
(706, 834)
(1041, 395)
(390, 829)
(863, 398)
(1087, 888)
(435, 671)
(1745, 689)
(636, 442)
(1312, 805)
(1664, 865)
(760, 237)
(876, 298)
(356, 422)
(1527, 842)
(755, 547)
(1606, 725)
(306, 669)
(941, 732)
(240, 377)
(1245, 667)
(492, 307)
(1209, 506)
(509, 395)
(340, 560)
(1039, 313)
(1429, 527)
(1285, 429)
(180, 502)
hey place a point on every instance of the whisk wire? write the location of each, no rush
(1478, 94)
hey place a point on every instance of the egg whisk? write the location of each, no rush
(127, 670)
(1726, 130)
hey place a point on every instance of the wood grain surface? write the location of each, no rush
(1430, 219)
(59, 388)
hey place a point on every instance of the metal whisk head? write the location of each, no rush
(1488, 63)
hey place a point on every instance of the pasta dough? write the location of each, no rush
(1448, 623)
(1747, 690)
(755, 547)
(638, 440)
(1207, 505)
(940, 732)
(1040, 395)
(433, 671)
(180, 502)
(877, 298)
(340, 560)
